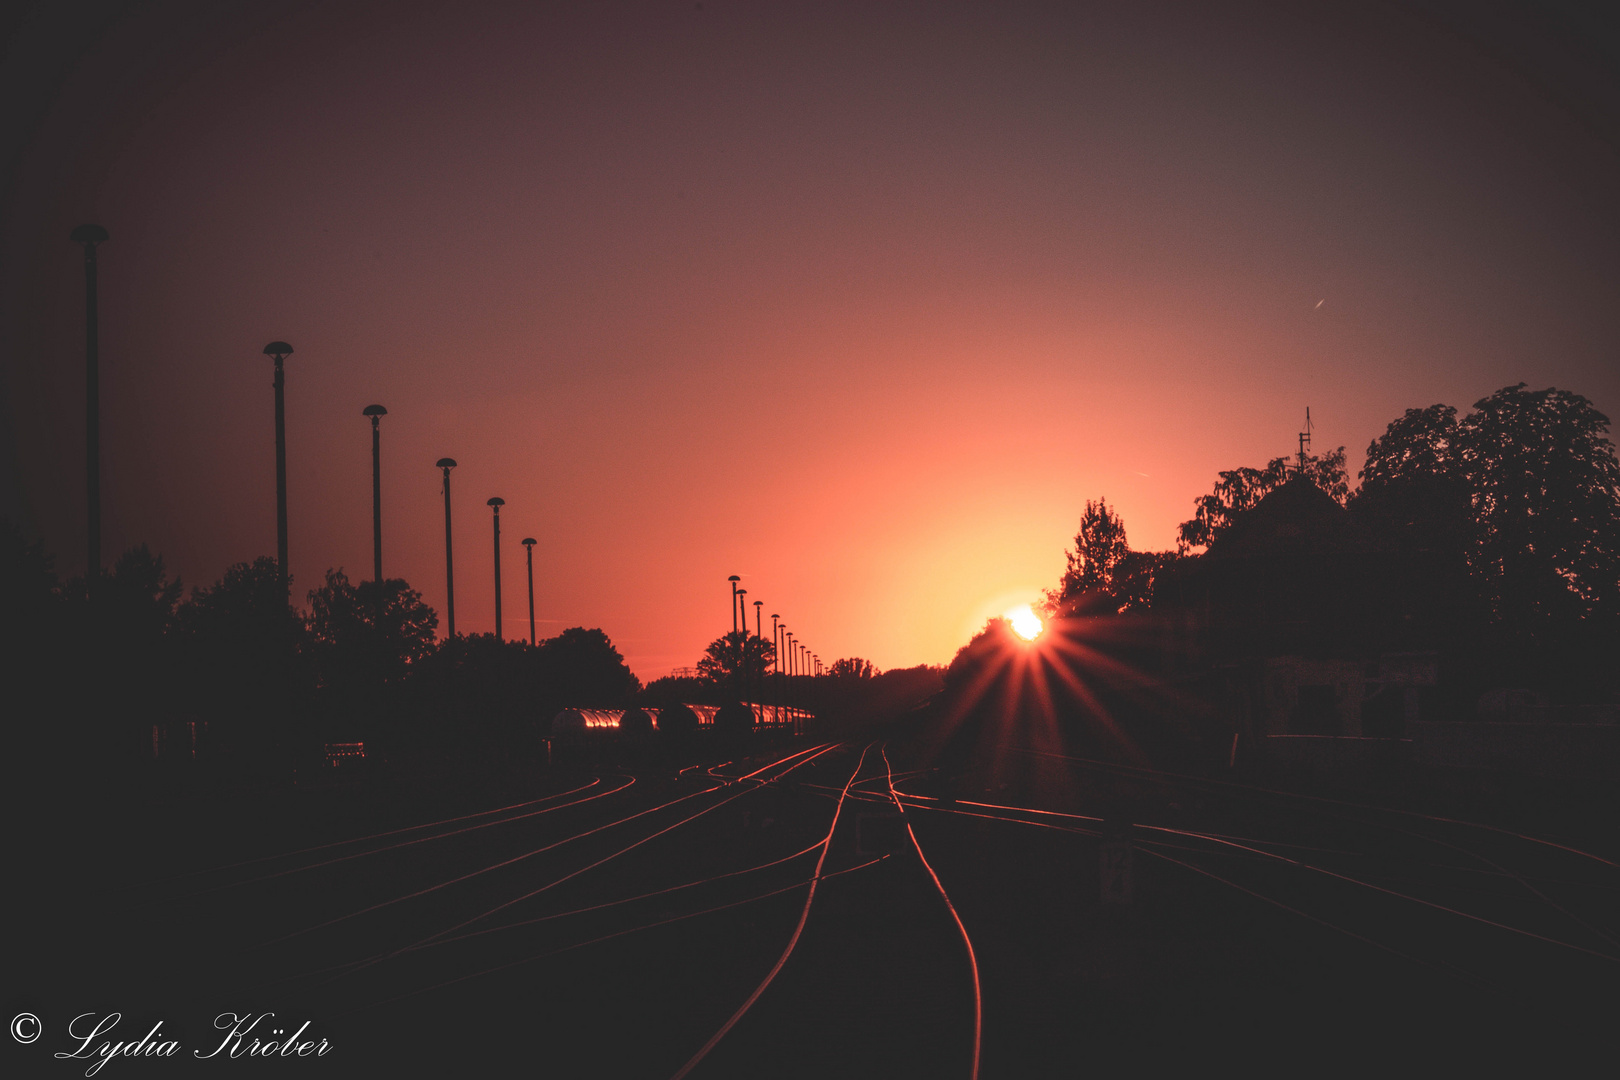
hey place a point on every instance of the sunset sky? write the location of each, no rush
(859, 301)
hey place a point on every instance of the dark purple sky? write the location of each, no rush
(859, 301)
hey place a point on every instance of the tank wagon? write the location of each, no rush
(581, 723)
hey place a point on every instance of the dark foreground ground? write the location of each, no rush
(612, 918)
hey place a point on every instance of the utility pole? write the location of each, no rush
(495, 504)
(449, 565)
(279, 351)
(90, 236)
(528, 544)
(376, 412)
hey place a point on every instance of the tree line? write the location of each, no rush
(124, 666)
(1516, 502)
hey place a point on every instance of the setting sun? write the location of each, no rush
(1025, 623)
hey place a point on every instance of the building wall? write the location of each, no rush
(1304, 696)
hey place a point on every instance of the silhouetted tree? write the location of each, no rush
(985, 650)
(242, 653)
(1099, 547)
(1420, 445)
(364, 640)
(479, 694)
(1239, 489)
(672, 689)
(852, 668)
(1526, 487)
(476, 695)
(369, 633)
(1545, 486)
(580, 668)
(28, 583)
(1136, 578)
(1414, 492)
(128, 613)
(1104, 575)
(736, 658)
(33, 601)
(35, 661)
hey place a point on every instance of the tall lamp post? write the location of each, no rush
(495, 504)
(776, 658)
(528, 544)
(742, 642)
(733, 579)
(279, 351)
(90, 236)
(759, 642)
(376, 412)
(449, 566)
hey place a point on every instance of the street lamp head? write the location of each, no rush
(278, 349)
(373, 410)
(445, 463)
(774, 615)
(742, 592)
(733, 577)
(759, 603)
(529, 541)
(497, 502)
(93, 234)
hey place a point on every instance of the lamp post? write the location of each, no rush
(733, 579)
(376, 412)
(740, 639)
(90, 236)
(279, 351)
(495, 504)
(528, 544)
(449, 566)
(776, 658)
(759, 643)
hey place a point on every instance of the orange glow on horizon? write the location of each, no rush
(869, 340)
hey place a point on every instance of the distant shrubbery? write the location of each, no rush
(119, 667)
